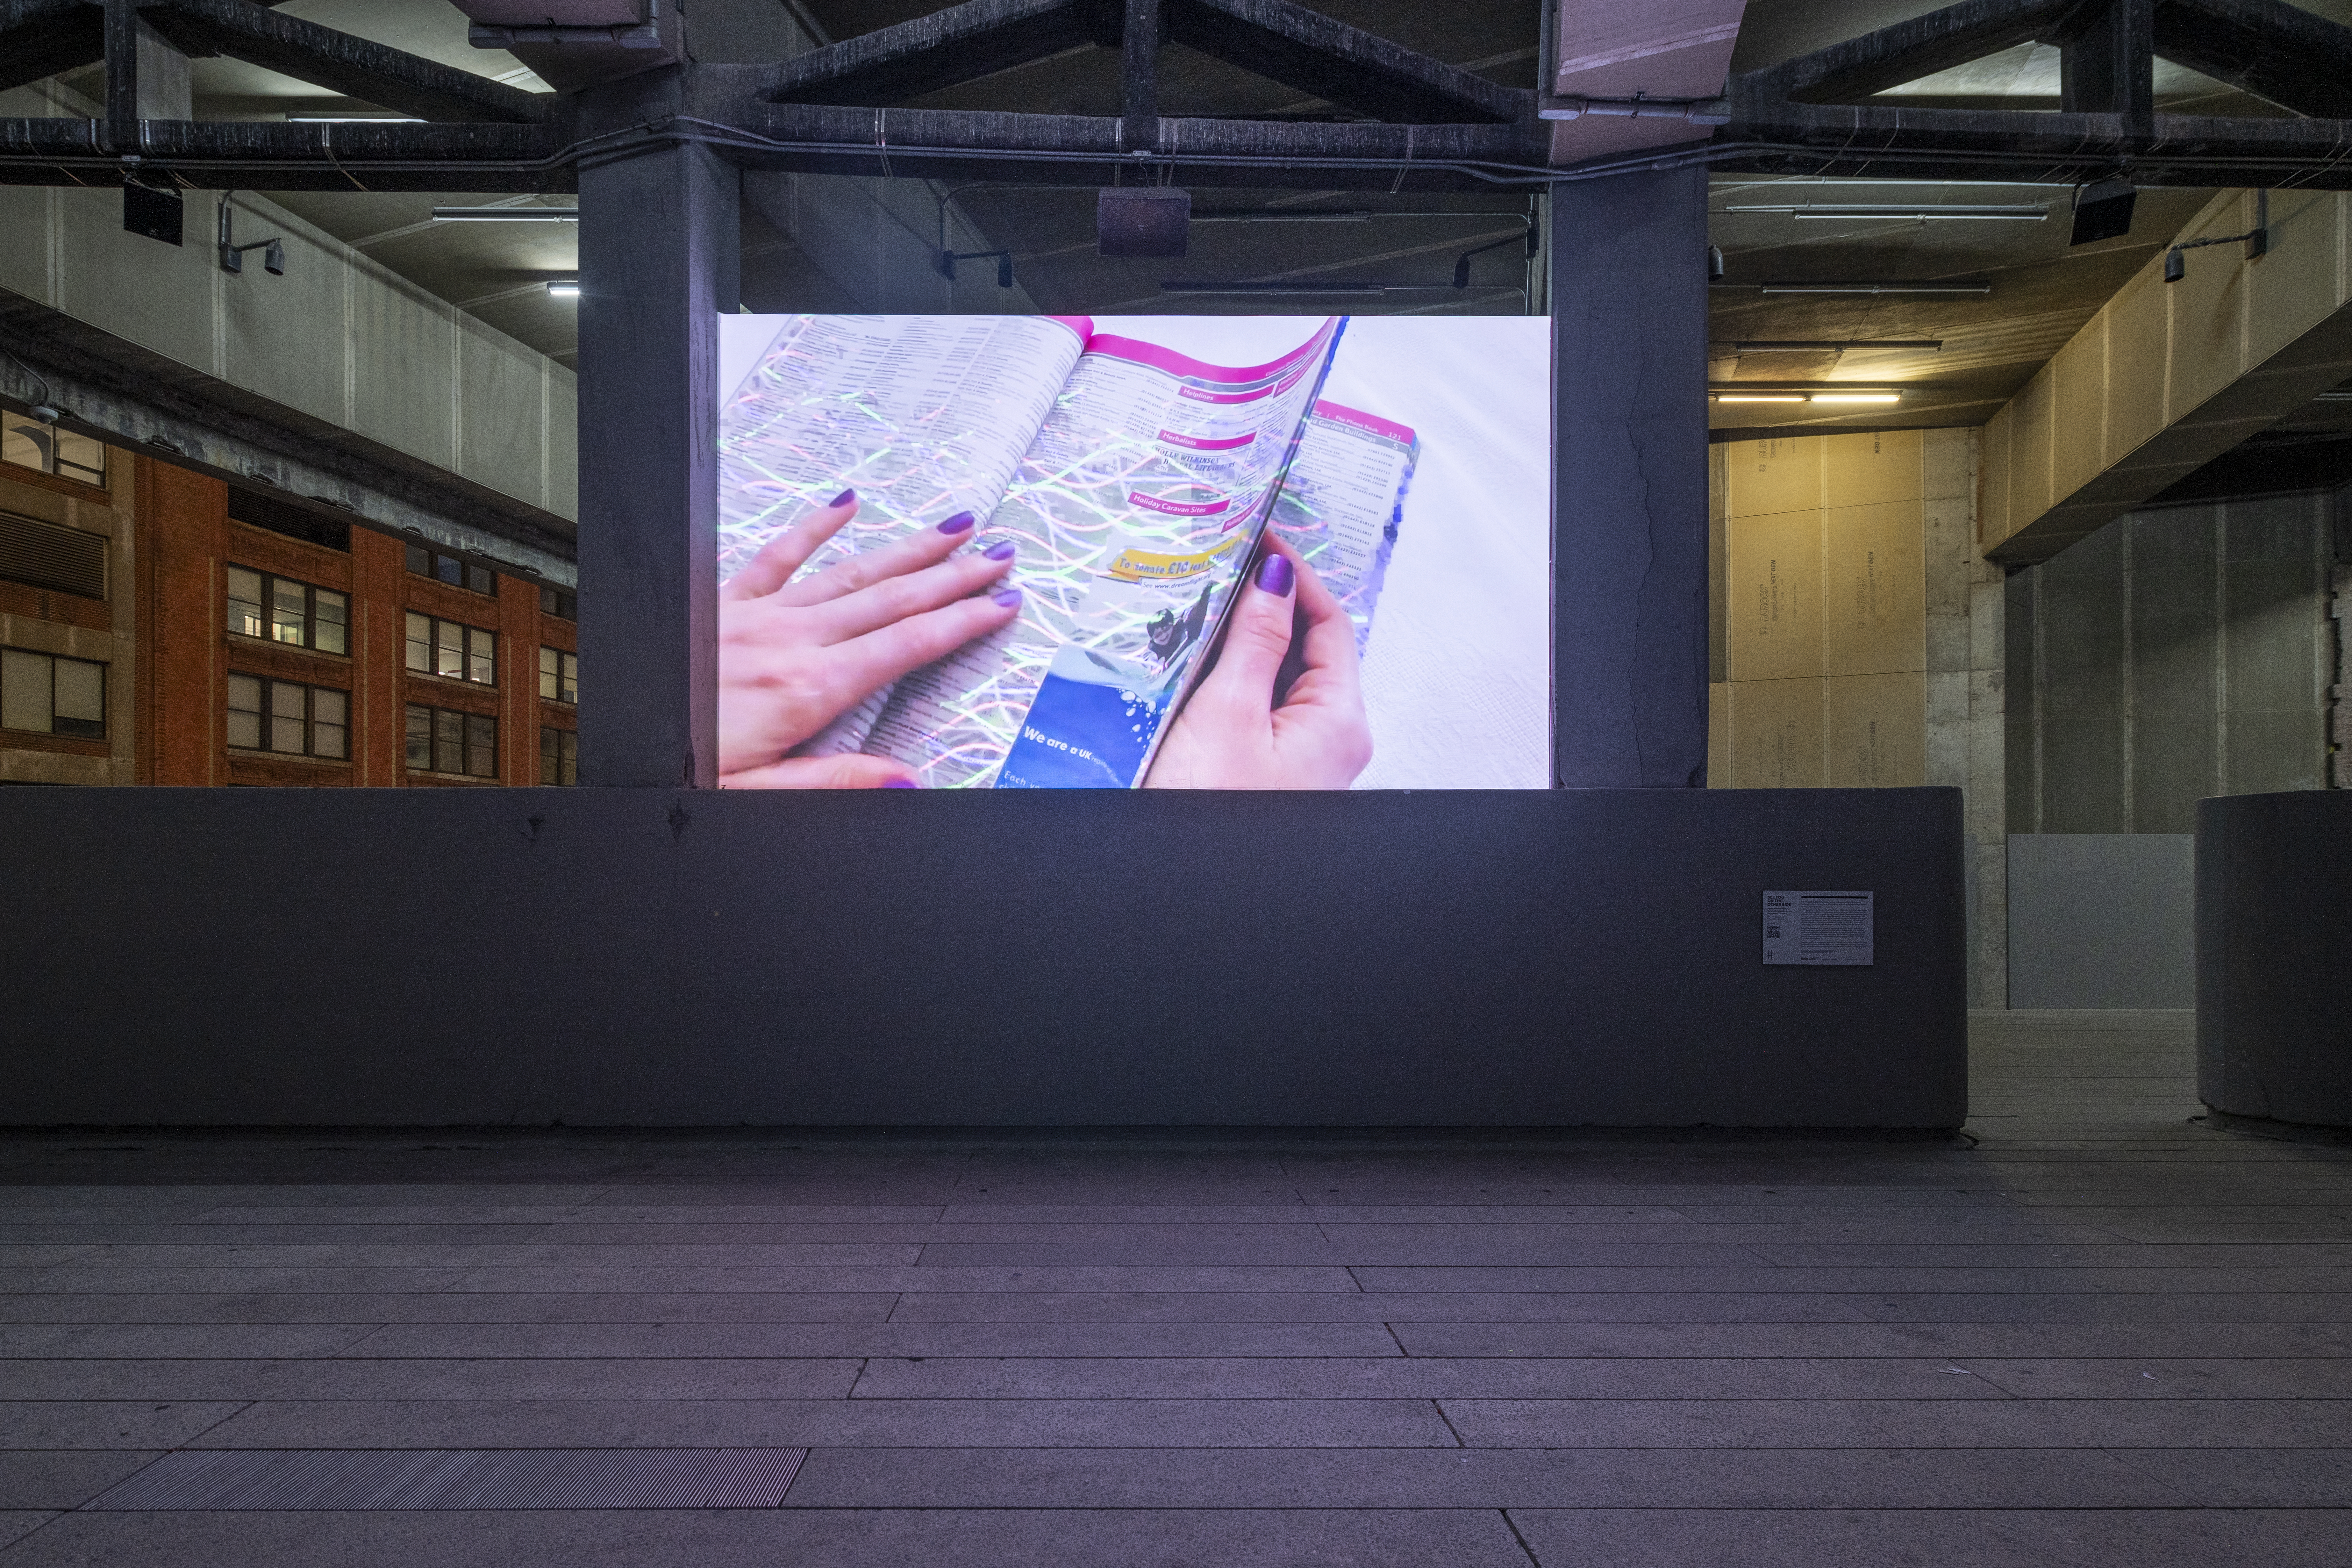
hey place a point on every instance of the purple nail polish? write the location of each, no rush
(900, 783)
(1009, 598)
(1276, 576)
(844, 499)
(959, 523)
(1002, 550)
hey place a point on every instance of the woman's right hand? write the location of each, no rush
(795, 655)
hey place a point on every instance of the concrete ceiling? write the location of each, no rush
(2042, 291)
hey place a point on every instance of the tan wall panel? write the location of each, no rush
(2029, 446)
(1766, 477)
(1877, 730)
(2078, 378)
(2137, 329)
(1993, 512)
(1874, 589)
(2208, 307)
(1879, 466)
(1718, 735)
(2301, 266)
(1775, 735)
(1773, 591)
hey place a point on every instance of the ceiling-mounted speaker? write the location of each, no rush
(2102, 211)
(153, 212)
(1142, 220)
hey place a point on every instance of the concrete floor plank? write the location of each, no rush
(451, 1307)
(1947, 1538)
(1074, 1277)
(790, 1538)
(2058, 1424)
(234, 1342)
(1078, 1477)
(2259, 1477)
(1379, 1307)
(1949, 1341)
(674, 1340)
(1162, 1424)
(63, 1424)
(62, 1477)
(17, 1524)
(550, 1378)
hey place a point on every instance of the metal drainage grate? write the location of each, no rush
(221, 1480)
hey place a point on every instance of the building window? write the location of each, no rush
(561, 601)
(52, 696)
(441, 741)
(448, 649)
(288, 717)
(44, 555)
(257, 510)
(285, 611)
(559, 756)
(449, 569)
(30, 444)
(559, 675)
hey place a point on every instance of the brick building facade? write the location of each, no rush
(247, 641)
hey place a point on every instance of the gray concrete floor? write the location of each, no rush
(2099, 1335)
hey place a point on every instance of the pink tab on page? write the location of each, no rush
(1206, 443)
(1178, 508)
(1340, 413)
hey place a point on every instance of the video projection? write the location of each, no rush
(1214, 553)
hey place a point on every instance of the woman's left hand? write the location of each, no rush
(794, 657)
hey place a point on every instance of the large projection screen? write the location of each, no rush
(1223, 553)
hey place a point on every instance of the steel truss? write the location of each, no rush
(1398, 120)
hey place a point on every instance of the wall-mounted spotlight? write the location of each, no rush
(564, 288)
(1003, 258)
(2257, 239)
(232, 255)
(1715, 264)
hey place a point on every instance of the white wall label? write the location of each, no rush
(1818, 928)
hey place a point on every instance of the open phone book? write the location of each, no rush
(1137, 483)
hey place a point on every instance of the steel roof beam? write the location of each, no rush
(2274, 51)
(356, 67)
(1342, 65)
(44, 37)
(947, 47)
(1921, 47)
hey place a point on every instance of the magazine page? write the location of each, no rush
(1135, 510)
(923, 415)
(1342, 503)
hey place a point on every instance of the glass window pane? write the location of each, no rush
(549, 678)
(244, 712)
(329, 610)
(327, 706)
(570, 678)
(548, 756)
(481, 655)
(285, 700)
(448, 650)
(23, 690)
(481, 746)
(420, 738)
(420, 641)
(81, 698)
(571, 745)
(420, 561)
(481, 580)
(448, 568)
(327, 740)
(80, 457)
(24, 443)
(448, 741)
(243, 602)
(287, 604)
(547, 601)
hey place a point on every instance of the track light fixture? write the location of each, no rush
(2257, 239)
(1003, 258)
(232, 255)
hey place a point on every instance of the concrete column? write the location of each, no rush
(1628, 288)
(659, 254)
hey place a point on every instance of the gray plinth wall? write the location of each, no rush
(665, 957)
(2275, 956)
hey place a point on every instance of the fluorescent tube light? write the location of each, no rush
(1864, 211)
(1857, 398)
(505, 214)
(564, 288)
(1866, 288)
(1821, 345)
(1757, 397)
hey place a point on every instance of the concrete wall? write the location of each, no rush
(339, 337)
(2174, 654)
(2167, 377)
(2102, 920)
(1858, 633)
(979, 958)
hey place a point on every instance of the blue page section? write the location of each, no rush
(1090, 726)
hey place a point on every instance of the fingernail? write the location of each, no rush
(1002, 551)
(844, 499)
(1009, 598)
(960, 523)
(900, 783)
(1276, 575)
